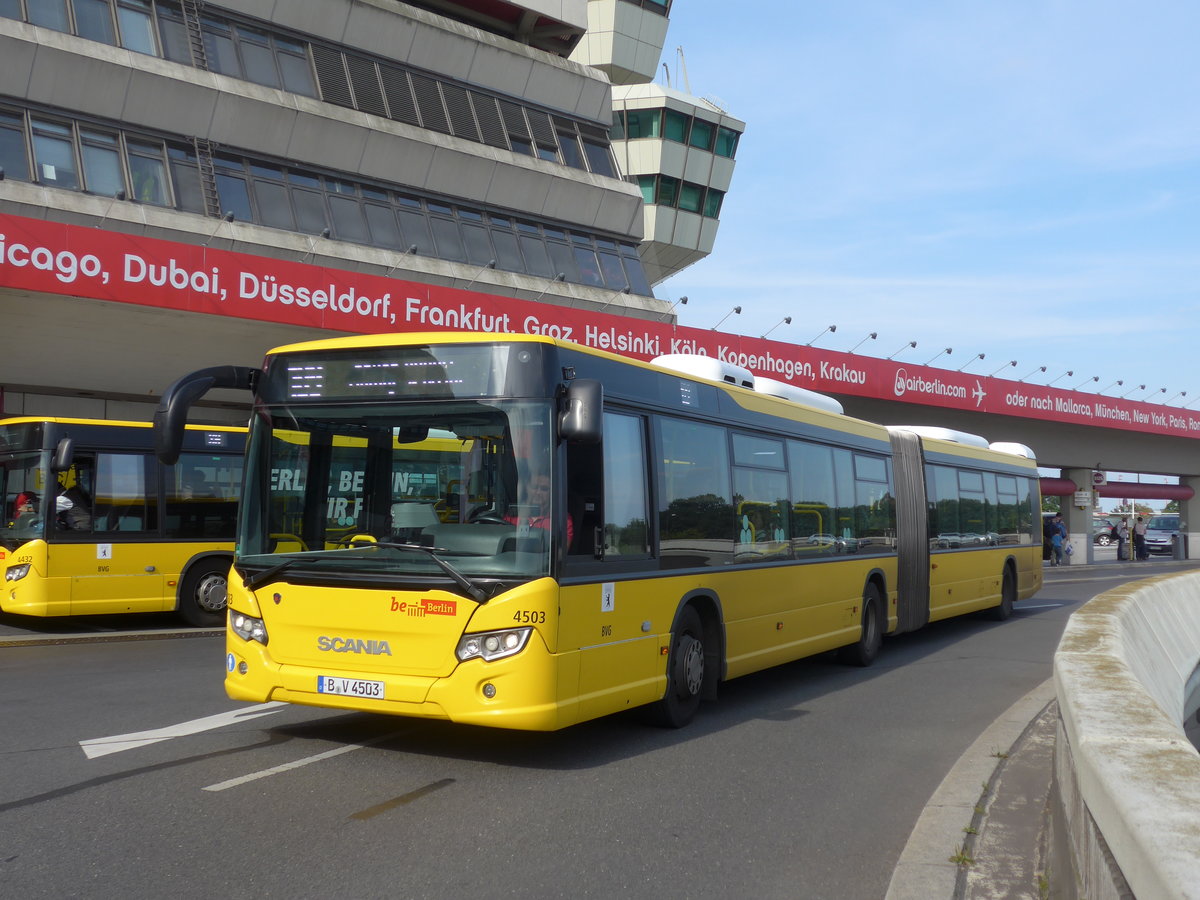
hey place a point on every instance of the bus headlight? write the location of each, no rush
(16, 573)
(491, 645)
(247, 627)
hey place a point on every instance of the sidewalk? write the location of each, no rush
(1001, 831)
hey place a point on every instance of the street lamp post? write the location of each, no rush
(830, 329)
(869, 337)
(736, 311)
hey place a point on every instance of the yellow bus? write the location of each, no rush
(92, 524)
(522, 532)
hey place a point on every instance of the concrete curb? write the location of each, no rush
(1128, 771)
(35, 639)
(924, 869)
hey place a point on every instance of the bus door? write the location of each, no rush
(605, 610)
(104, 535)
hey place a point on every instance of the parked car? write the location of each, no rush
(1161, 532)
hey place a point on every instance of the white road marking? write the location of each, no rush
(1043, 606)
(287, 767)
(115, 744)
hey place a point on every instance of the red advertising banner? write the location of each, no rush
(54, 258)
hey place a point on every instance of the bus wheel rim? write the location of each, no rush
(211, 592)
(692, 667)
(870, 626)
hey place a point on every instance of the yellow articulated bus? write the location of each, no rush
(93, 524)
(526, 533)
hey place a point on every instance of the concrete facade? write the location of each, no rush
(678, 148)
(675, 237)
(624, 39)
(476, 113)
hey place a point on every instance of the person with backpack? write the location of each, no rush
(1122, 539)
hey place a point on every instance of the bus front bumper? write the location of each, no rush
(519, 692)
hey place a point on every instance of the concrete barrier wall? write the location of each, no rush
(1126, 776)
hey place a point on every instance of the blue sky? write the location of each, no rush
(1019, 179)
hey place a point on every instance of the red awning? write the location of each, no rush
(1122, 490)
(1137, 490)
(1058, 487)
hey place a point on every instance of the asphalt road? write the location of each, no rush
(126, 772)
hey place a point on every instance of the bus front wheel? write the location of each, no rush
(685, 674)
(204, 593)
(866, 648)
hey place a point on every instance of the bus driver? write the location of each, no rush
(535, 511)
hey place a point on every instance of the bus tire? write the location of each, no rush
(204, 592)
(685, 674)
(1008, 596)
(866, 648)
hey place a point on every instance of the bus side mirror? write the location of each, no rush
(64, 455)
(171, 415)
(581, 421)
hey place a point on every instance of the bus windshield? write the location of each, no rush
(23, 480)
(393, 493)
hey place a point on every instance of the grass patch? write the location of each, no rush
(961, 858)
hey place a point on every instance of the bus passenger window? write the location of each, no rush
(814, 499)
(760, 496)
(201, 496)
(626, 497)
(874, 504)
(761, 506)
(73, 496)
(697, 517)
(944, 531)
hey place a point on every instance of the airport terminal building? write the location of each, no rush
(190, 183)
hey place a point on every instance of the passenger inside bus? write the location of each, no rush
(73, 509)
(196, 485)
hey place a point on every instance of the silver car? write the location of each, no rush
(1161, 532)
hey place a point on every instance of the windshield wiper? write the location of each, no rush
(473, 591)
(268, 575)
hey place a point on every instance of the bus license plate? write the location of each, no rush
(352, 687)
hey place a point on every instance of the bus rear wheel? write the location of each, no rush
(685, 674)
(204, 593)
(866, 648)
(1008, 596)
